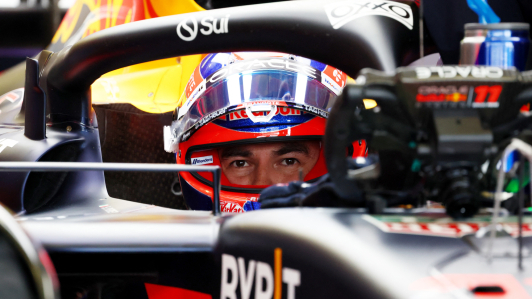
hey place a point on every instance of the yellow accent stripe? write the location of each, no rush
(128, 16)
(117, 4)
(108, 15)
(278, 276)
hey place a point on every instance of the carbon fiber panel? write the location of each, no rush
(129, 134)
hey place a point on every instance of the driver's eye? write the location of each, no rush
(289, 161)
(240, 163)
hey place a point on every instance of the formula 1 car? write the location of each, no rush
(436, 138)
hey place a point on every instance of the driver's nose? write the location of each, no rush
(263, 175)
(262, 179)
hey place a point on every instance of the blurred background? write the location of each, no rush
(27, 26)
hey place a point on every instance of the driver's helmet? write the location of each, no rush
(248, 98)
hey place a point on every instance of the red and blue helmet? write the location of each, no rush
(248, 98)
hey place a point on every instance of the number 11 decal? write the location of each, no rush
(487, 96)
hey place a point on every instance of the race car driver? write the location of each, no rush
(268, 164)
(260, 117)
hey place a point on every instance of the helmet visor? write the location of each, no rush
(261, 91)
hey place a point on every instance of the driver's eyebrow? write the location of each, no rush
(235, 152)
(290, 148)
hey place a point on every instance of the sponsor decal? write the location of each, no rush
(315, 110)
(459, 71)
(284, 118)
(187, 29)
(202, 160)
(482, 96)
(487, 96)
(241, 114)
(231, 207)
(186, 135)
(210, 117)
(5, 143)
(191, 33)
(268, 282)
(442, 227)
(334, 78)
(442, 94)
(341, 13)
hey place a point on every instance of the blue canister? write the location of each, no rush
(506, 45)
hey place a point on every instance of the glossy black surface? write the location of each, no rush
(375, 41)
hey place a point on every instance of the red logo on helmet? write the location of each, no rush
(231, 207)
(284, 111)
(337, 75)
